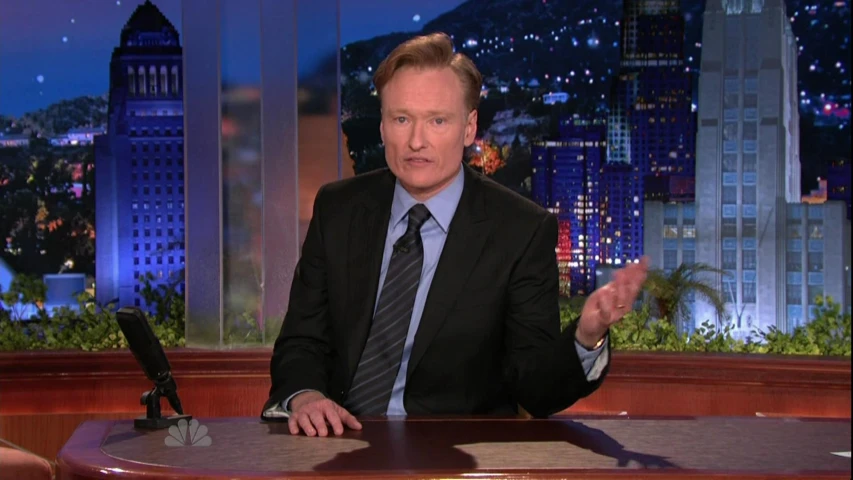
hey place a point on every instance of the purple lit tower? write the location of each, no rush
(651, 125)
(139, 163)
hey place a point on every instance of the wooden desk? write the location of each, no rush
(578, 447)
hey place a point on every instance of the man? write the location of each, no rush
(426, 288)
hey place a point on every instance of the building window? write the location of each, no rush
(688, 257)
(749, 259)
(732, 85)
(749, 196)
(729, 194)
(815, 230)
(749, 162)
(794, 261)
(814, 292)
(729, 227)
(793, 294)
(730, 132)
(729, 291)
(749, 227)
(749, 292)
(670, 259)
(815, 261)
(689, 231)
(729, 163)
(729, 259)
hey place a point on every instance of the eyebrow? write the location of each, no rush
(397, 111)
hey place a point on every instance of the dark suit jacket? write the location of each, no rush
(489, 338)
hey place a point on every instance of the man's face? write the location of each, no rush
(425, 127)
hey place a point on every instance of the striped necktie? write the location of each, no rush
(383, 352)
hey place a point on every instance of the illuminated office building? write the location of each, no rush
(651, 123)
(566, 178)
(139, 163)
(778, 253)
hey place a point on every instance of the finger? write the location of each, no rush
(334, 420)
(293, 425)
(305, 422)
(605, 304)
(318, 418)
(350, 420)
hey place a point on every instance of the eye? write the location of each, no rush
(439, 121)
(400, 119)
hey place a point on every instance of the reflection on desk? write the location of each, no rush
(456, 447)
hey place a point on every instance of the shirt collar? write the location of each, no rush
(442, 205)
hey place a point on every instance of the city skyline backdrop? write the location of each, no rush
(52, 51)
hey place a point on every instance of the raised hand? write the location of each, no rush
(609, 304)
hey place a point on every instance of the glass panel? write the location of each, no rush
(814, 292)
(749, 292)
(793, 294)
(815, 211)
(729, 259)
(730, 162)
(749, 195)
(241, 166)
(749, 260)
(749, 162)
(815, 261)
(203, 181)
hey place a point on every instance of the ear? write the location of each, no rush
(471, 128)
(381, 126)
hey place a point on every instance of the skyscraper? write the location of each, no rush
(750, 221)
(651, 126)
(139, 164)
(566, 177)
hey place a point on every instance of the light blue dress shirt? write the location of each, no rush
(442, 207)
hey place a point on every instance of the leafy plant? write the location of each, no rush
(828, 334)
(670, 292)
(88, 327)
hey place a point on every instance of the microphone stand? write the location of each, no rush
(153, 419)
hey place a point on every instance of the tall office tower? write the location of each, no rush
(566, 177)
(139, 163)
(747, 151)
(651, 125)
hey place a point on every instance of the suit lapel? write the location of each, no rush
(466, 236)
(367, 231)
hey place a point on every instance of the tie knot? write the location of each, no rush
(417, 216)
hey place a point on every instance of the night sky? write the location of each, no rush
(52, 50)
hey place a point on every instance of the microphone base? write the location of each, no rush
(160, 422)
(153, 420)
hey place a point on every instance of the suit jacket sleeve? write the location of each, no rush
(543, 367)
(301, 355)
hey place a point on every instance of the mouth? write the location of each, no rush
(418, 160)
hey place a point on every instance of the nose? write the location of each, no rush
(416, 137)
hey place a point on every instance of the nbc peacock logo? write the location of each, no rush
(186, 434)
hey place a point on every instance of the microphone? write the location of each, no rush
(148, 351)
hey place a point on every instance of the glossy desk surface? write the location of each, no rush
(560, 447)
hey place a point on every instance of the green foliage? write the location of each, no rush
(90, 327)
(828, 334)
(670, 292)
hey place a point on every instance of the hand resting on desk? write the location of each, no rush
(313, 413)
